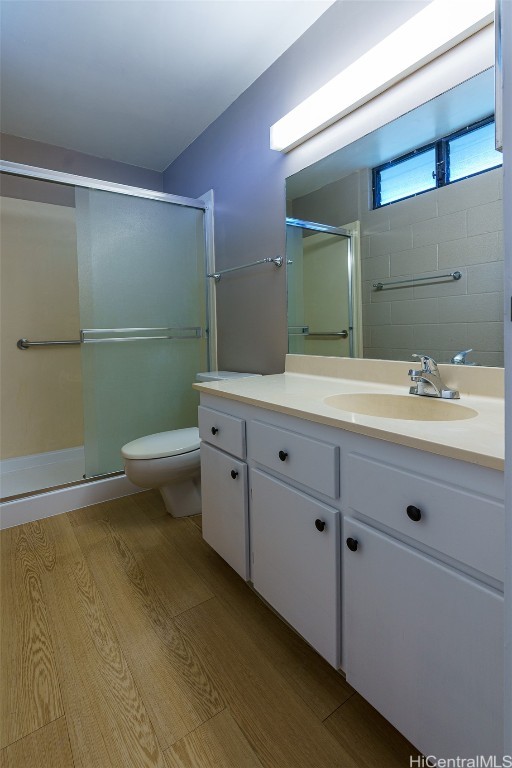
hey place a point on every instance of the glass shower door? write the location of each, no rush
(141, 266)
(319, 285)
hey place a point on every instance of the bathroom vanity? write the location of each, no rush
(379, 539)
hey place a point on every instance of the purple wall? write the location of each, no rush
(233, 158)
(27, 152)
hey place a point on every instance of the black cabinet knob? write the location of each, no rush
(234, 474)
(413, 513)
(215, 430)
(320, 525)
(352, 544)
(283, 455)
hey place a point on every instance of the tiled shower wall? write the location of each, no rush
(458, 227)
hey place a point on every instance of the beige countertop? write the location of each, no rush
(308, 380)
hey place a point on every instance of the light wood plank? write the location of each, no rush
(138, 547)
(30, 695)
(363, 733)
(109, 639)
(218, 743)
(107, 721)
(313, 679)
(143, 586)
(46, 748)
(280, 727)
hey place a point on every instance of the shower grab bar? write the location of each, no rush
(25, 343)
(327, 335)
(454, 275)
(276, 260)
(303, 330)
(195, 333)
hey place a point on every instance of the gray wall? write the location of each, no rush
(15, 149)
(507, 206)
(233, 158)
(457, 227)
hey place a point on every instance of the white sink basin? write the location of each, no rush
(408, 407)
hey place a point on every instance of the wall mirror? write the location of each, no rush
(379, 279)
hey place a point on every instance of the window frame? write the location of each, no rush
(442, 163)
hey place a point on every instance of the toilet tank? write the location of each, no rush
(218, 375)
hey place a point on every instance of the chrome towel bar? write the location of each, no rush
(189, 332)
(454, 276)
(276, 260)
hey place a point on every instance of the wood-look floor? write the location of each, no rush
(127, 642)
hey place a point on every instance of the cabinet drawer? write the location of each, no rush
(295, 560)
(223, 431)
(312, 463)
(453, 521)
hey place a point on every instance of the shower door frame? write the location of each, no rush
(71, 180)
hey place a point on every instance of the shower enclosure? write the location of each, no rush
(104, 323)
(323, 284)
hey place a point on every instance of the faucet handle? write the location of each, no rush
(428, 364)
(460, 357)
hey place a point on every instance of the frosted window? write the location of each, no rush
(472, 153)
(449, 159)
(407, 177)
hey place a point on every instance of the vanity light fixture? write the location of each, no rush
(434, 30)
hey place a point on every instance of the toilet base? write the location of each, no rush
(182, 499)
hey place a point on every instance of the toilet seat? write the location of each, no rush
(163, 444)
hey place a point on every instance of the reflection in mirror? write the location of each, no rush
(409, 250)
(323, 318)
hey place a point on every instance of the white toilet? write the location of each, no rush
(170, 461)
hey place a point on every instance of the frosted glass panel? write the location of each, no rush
(141, 265)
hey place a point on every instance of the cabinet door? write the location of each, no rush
(295, 560)
(424, 644)
(224, 498)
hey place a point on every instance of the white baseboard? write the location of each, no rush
(41, 459)
(42, 505)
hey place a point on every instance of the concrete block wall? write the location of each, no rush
(458, 227)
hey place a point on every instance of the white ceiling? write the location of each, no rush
(136, 80)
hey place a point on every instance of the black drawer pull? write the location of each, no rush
(413, 513)
(234, 474)
(215, 430)
(283, 455)
(320, 525)
(352, 544)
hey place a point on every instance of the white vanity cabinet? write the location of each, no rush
(423, 644)
(388, 560)
(294, 534)
(423, 567)
(224, 487)
(295, 560)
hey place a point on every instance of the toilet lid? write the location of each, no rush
(162, 444)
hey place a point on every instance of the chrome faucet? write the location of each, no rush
(428, 380)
